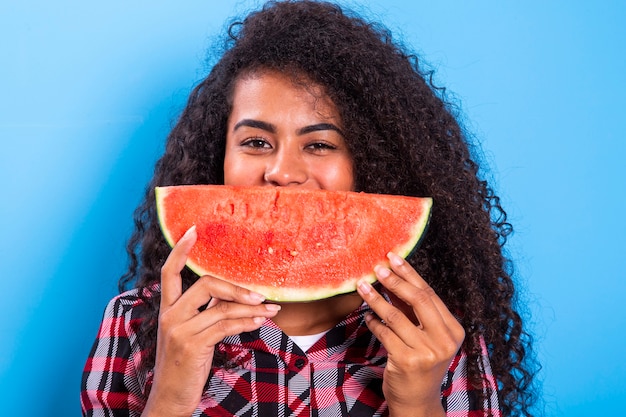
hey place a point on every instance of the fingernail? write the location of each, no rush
(255, 296)
(272, 307)
(189, 232)
(258, 320)
(365, 287)
(395, 259)
(382, 272)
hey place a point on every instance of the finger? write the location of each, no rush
(223, 311)
(431, 312)
(171, 281)
(419, 299)
(382, 332)
(207, 288)
(432, 326)
(395, 321)
(215, 334)
(403, 271)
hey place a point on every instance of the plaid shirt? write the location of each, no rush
(340, 375)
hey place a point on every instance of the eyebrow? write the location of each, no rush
(319, 126)
(269, 127)
(257, 124)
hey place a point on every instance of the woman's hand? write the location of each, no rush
(186, 337)
(420, 334)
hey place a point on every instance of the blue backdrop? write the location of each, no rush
(89, 91)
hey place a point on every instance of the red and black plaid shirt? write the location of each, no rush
(340, 375)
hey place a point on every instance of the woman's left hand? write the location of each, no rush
(420, 335)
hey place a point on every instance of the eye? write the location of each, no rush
(256, 143)
(320, 147)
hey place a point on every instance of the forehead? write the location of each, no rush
(286, 80)
(273, 91)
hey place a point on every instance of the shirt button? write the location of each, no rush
(299, 363)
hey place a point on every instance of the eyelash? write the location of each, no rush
(321, 146)
(253, 142)
(315, 146)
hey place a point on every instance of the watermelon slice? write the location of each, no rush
(291, 244)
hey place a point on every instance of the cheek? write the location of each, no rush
(235, 171)
(338, 176)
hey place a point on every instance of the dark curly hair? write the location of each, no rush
(404, 139)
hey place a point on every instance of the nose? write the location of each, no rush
(285, 168)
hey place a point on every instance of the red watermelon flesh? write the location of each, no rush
(291, 244)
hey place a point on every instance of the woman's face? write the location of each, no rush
(280, 134)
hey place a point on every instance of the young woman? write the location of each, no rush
(307, 95)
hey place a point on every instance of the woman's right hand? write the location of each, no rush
(186, 337)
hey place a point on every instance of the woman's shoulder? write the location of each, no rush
(129, 306)
(116, 357)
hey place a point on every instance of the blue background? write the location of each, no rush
(88, 92)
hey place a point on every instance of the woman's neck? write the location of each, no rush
(298, 319)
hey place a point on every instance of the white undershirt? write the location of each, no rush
(306, 341)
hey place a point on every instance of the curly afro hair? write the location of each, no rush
(404, 139)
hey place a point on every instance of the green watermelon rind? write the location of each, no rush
(308, 294)
(160, 193)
